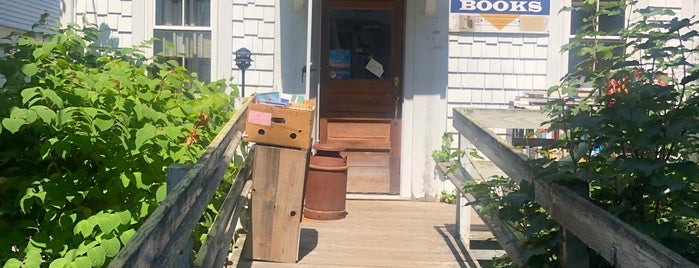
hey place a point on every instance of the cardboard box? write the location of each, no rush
(279, 126)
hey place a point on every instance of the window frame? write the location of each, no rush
(213, 18)
(571, 35)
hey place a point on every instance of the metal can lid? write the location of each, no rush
(328, 147)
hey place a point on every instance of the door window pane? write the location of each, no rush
(192, 49)
(356, 38)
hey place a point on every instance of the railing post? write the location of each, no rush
(463, 219)
(573, 251)
(175, 173)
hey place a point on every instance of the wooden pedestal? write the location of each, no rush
(277, 202)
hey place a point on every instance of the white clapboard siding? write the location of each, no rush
(489, 70)
(113, 18)
(254, 29)
(21, 14)
(493, 69)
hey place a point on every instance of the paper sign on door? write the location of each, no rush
(375, 67)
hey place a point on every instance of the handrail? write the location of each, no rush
(162, 235)
(616, 241)
(506, 238)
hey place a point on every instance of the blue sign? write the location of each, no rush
(528, 7)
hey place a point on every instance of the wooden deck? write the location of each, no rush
(384, 234)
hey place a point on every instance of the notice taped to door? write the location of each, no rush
(375, 67)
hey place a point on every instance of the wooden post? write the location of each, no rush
(175, 173)
(463, 219)
(573, 251)
(277, 203)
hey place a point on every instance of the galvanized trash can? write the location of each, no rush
(326, 184)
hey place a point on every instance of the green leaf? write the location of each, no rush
(53, 96)
(581, 150)
(126, 236)
(59, 263)
(144, 134)
(29, 116)
(64, 116)
(39, 53)
(125, 216)
(125, 180)
(85, 227)
(13, 263)
(108, 222)
(33, 257)
(67, 219)
(103, 124)
(46, 114)
(145, 210)
(111, 246)
(30, 69)
(138, 176)
(97, 256)
(81, 262)
(12, 124)
(29, 93)
(161, 193)
(172, 132)
(85, 246)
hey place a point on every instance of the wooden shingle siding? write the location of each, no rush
(254, 28)
(21, 14)
(113, 18)
(488, 69)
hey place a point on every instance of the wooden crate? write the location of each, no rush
(277, 202)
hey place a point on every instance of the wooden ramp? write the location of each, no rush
(382, 234)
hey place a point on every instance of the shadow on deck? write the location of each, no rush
(382, 234)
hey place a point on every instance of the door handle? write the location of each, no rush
(303, 73)
(395, 107)
(396, 81)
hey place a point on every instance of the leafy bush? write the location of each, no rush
(631, 142)
(87, 132)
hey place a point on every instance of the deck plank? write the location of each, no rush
(382, 234)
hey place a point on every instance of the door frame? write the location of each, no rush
(398, 30)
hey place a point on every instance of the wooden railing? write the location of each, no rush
(161, 240)
(614, 240)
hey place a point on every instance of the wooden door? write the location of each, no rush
(361, 90)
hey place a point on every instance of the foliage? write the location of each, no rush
(631, 142)
(87, 132)
(446, 154)
(514, 205)
(447, 197)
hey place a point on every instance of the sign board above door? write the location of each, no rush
(499, 16)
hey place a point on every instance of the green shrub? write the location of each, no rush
(87, 132)
(631, 143)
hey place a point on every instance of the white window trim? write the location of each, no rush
(215, 10)
(567, 36)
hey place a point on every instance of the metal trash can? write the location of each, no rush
(326, 184)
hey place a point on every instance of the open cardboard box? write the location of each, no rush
(280, 126)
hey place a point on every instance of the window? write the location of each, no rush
(183, 30)
(607, 25)
(358, 37)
